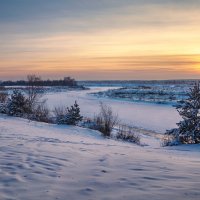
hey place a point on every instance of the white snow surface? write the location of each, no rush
(49, 162)
(146, 115)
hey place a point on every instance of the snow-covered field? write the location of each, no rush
(49, 162)
(148, 116)
(42, 161)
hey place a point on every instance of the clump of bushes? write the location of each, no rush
(169, 140)
(89, 123)
(28, 104)
(3, 100)
(17, 104)
(3, 97)
(69, 116)
(106, 120)
(41, 113)
(3, 109)
(128, 134)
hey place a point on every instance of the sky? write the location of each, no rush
(100, 39)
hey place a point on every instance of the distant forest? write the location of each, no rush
(131, 82)
(66, 81)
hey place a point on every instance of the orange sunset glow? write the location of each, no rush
(94, 40)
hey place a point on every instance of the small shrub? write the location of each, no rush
(169, 140)
(3, 97)
(3, 102)
(105, 120)
(89, 123)
(59, 113)
(3, 108)
(69, 116)
(73, 116)
(17, 104)
(41, 113)
(127, 134)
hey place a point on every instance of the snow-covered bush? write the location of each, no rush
(17, 104)
(3, 102)
(3, 97)
(169, 140)
(3, 108)
(59, 113)
(73, 116)
(41, 113)
(69, 116)
(188, 131)
(89, 123)
(105, 120)
(128, 134)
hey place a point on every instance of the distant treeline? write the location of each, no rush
(131, 82)
(67, 81)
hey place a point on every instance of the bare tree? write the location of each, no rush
(34, 90)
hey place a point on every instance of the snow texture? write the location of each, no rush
(48, 162)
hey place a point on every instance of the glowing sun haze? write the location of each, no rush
(100, 39)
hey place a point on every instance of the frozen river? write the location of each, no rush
(149, 116)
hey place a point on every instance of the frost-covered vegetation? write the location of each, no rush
(108, 123)
(73, 162)
(19, 104)
(131, 83)
(106, 120)
(127, 133)
(156, 92)
(69, 116)
(188, 131)
(28, 103)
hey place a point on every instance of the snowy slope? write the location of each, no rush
(42, 161)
